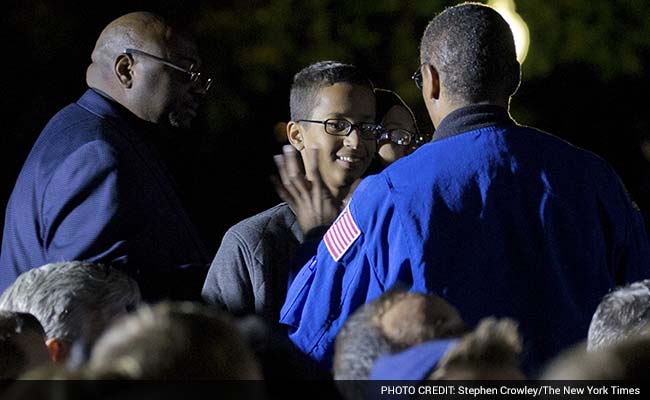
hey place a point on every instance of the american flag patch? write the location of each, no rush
(340, 236)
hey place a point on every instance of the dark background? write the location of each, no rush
(585, 80)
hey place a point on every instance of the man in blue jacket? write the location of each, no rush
(496, 218)
(92, 187)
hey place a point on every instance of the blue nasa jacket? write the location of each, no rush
(93, 189)
(496, 218)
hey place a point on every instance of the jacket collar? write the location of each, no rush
(103, 106)
(470, 118)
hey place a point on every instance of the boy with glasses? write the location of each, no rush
(494, 217)
(332, 126)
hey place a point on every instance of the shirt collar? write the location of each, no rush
(470, 118)
(102, 105)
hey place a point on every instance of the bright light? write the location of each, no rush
(519, 28)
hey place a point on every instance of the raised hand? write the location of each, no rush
(310, 199)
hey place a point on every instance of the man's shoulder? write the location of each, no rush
(558, 150)
(74, 130)
(74, 123)
(375, 185)
(76, 141)
(373, 196)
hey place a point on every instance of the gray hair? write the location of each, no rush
(360, 342)
(372, 331)
(622, 313)
(491, 351)
(174, 341)
(628, 359)
(72, 300)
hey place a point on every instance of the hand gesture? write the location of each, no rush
(311, 201)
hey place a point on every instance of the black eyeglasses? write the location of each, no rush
(417, 76)
(399, 136)
(343, 127)
(195, 76)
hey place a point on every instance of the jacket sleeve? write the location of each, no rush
(82, 210)
(229, 283)
(89, 211)
(331, 286)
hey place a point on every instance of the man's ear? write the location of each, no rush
(57, 349)
(124, 70)
(294, 134)
(430, 82)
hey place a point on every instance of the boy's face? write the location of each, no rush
(342, 159)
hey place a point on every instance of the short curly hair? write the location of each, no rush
(72, 299)
(622, 313)
(473, 49)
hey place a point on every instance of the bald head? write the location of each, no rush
(148, 87)
(138, 30)
(134, 30)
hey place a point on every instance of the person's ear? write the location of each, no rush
(430, 82)
(294, 134)
(57, 349)
(124, 70)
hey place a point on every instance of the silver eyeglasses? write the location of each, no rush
(195, 76)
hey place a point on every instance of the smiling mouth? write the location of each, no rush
(349, 162)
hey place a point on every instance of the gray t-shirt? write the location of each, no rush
(250, 272)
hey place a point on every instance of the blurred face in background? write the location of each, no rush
(400, 125)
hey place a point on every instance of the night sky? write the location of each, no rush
(585, 80)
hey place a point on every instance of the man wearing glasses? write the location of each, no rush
(332, 126)
(496, 218)
(92, 189)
